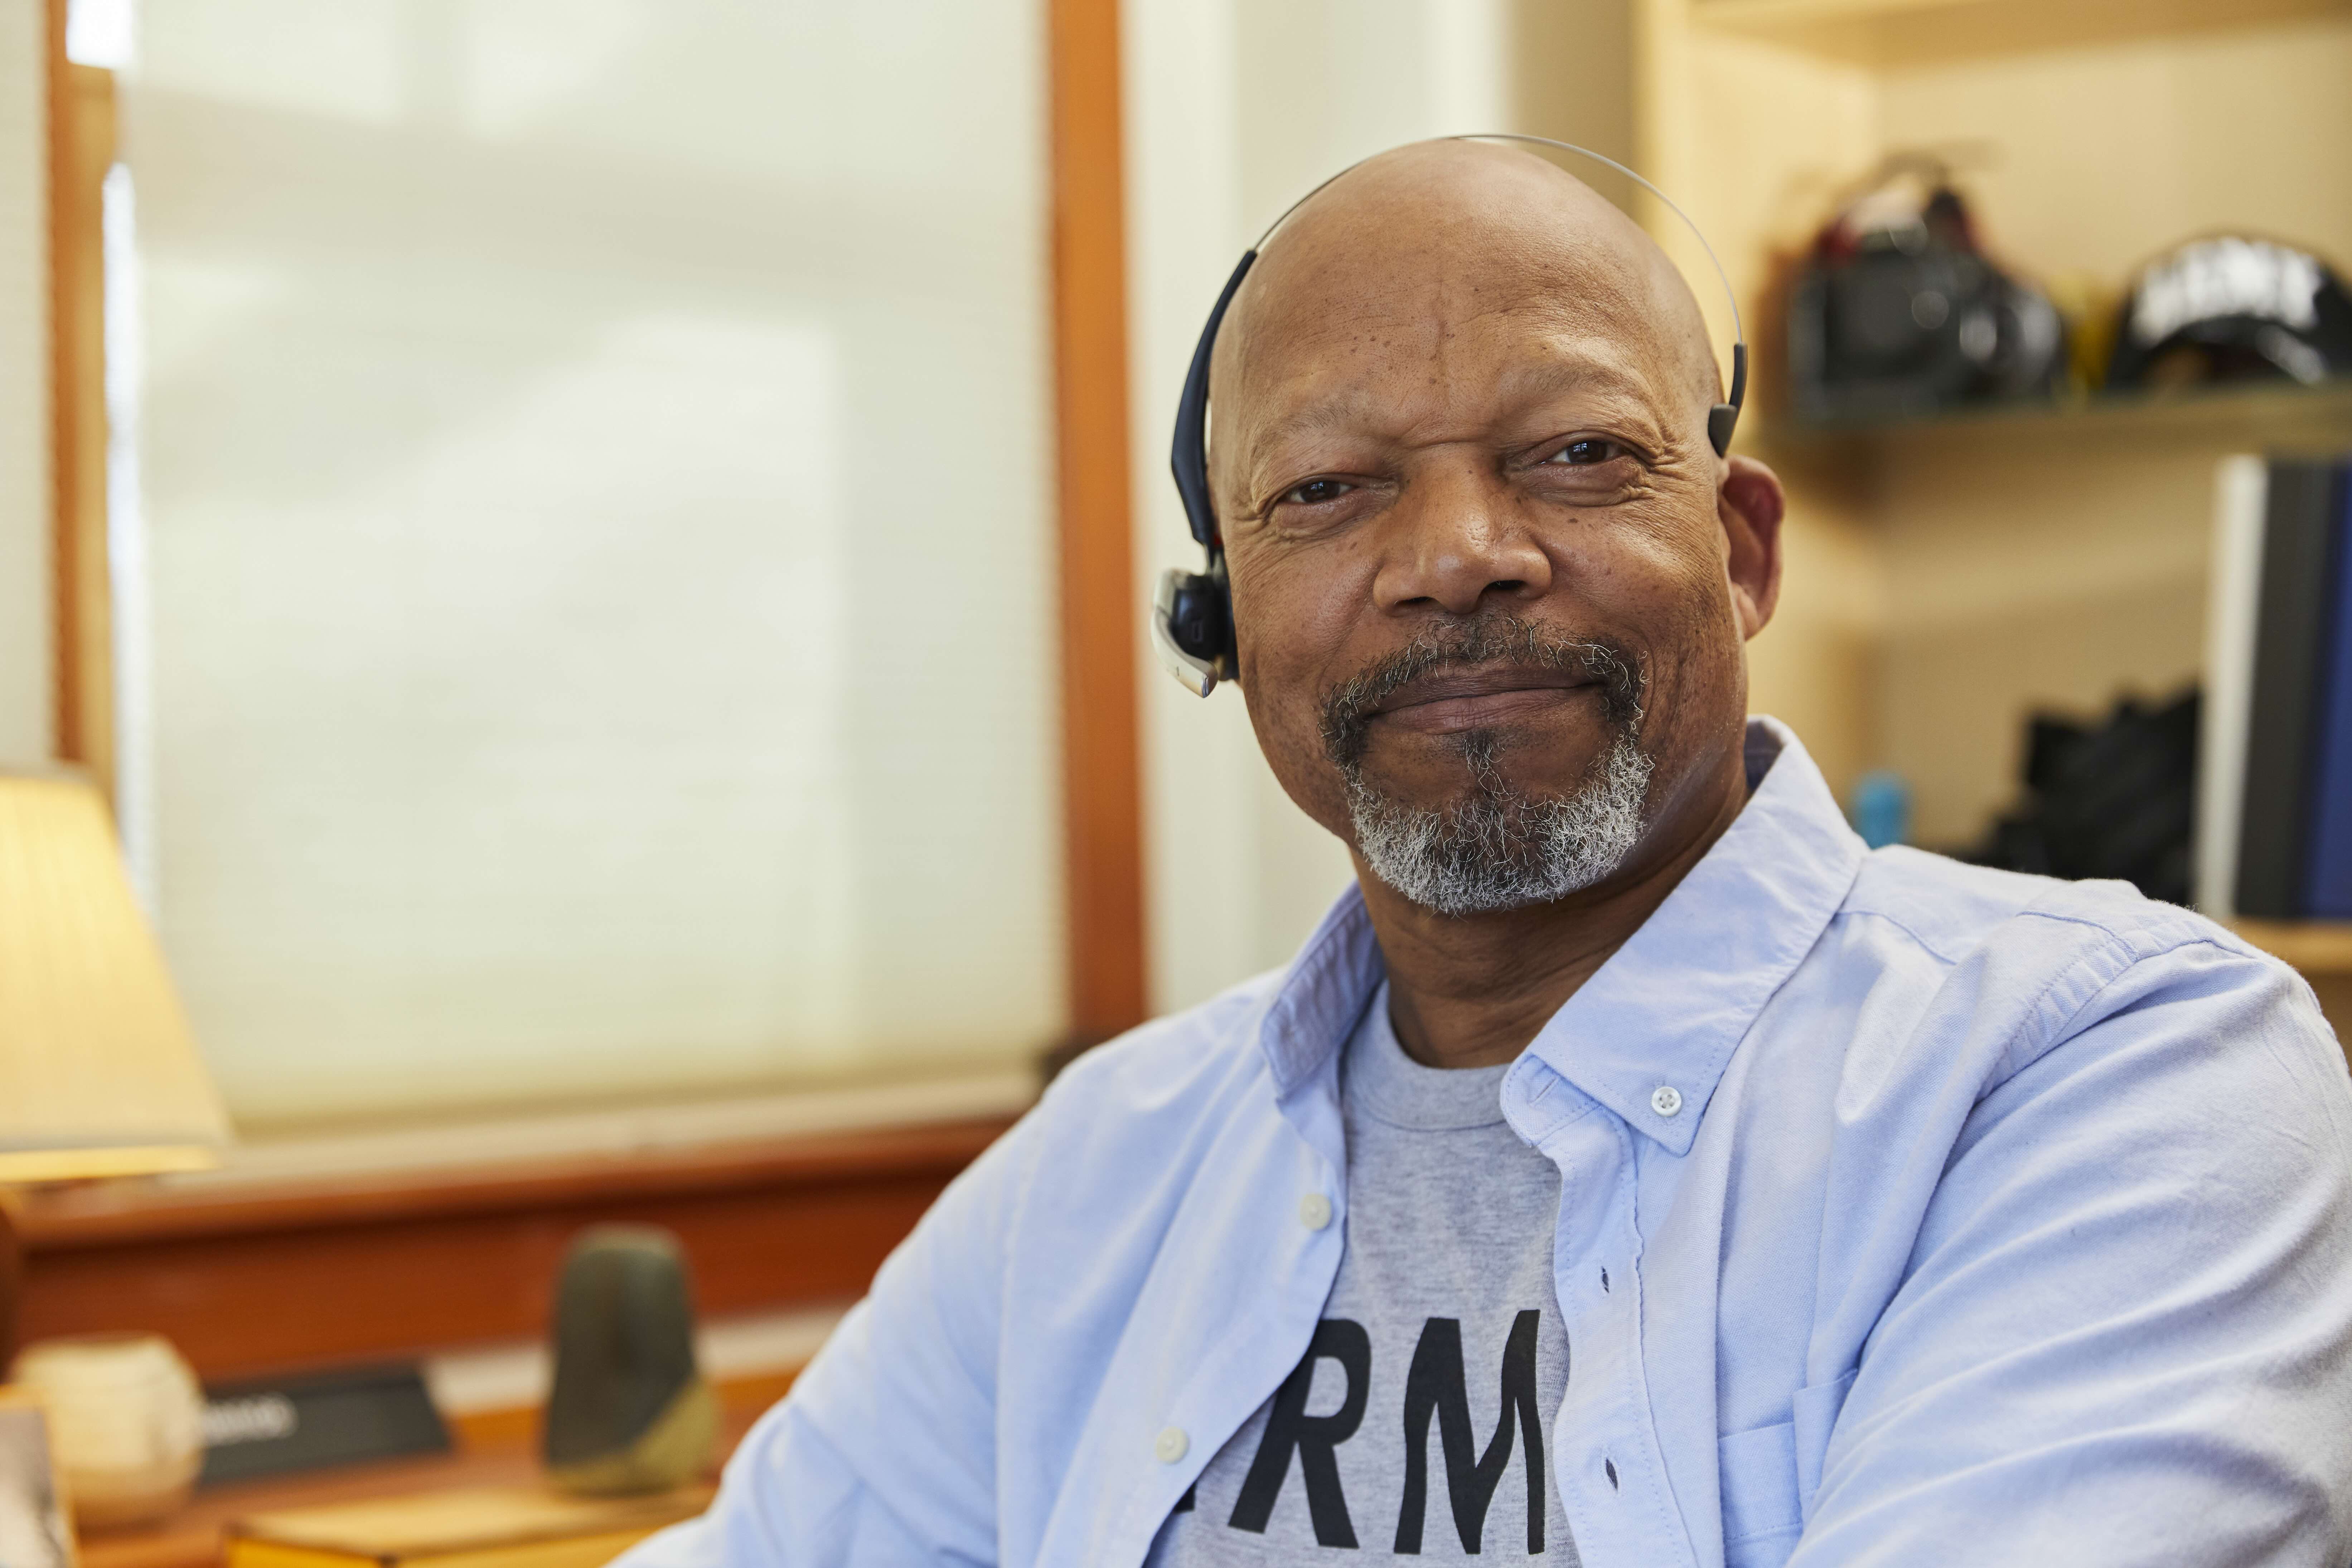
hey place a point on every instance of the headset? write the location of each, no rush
(1193, 613)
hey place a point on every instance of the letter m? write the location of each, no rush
(1434, 1386)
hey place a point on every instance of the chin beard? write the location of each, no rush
(1497, 848)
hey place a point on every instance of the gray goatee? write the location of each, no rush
(1497, 848)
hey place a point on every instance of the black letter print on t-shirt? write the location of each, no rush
(1288, 1426)
(1434, 1383)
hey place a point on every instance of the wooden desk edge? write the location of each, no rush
(497, 1447)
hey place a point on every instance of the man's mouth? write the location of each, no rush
(1449, 701)
(1489, 672)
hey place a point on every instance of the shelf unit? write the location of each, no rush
(1945, 577)
(2076, 541)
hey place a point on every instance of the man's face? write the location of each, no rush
(1487, 631)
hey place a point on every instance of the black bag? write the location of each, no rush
(2112, 800)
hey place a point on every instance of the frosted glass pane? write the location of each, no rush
(596, 482)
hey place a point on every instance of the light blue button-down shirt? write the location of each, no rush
(1948, 1217)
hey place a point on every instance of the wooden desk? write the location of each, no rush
(491, 1451)
(267, 1281)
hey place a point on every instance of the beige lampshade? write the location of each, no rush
(98, 1075)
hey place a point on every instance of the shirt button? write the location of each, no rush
(1170, 1444)
(1315, 1211)
(1666, 1099)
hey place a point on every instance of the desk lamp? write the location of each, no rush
(98, 1075)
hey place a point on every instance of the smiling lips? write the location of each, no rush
(1453, 701)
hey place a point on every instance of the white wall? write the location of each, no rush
(26, 688)
(1235, 108)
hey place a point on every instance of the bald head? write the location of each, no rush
(1490, 580)
(1414, 249)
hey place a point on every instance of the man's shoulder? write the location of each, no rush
(1956, 912)
(1128, 1132)
(1172, 1070)
(2043, 962)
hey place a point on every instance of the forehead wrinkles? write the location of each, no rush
(1455, 399)
(1385, 350)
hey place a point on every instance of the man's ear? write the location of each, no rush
(1751, 505)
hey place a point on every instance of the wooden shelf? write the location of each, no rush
(2315, 947)
(2262, 417)
(1926, 32)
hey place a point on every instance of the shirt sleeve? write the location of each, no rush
(885, 1452)
(2126, 1334)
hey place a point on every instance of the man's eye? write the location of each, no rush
(1314, 493)
(1586, 450)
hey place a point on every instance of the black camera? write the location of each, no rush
(1898, 311)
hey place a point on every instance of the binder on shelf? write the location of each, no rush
(2328, 886)
(2300, 515)
(2240, 489)
(2274, 776)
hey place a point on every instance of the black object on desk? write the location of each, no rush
(630, 1411)
(276, 1426)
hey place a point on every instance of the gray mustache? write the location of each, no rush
(1491, 639)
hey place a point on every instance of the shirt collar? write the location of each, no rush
(1324, 994)
(1650, 1034)
(1669, 1006)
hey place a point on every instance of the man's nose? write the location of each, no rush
(1456, 543)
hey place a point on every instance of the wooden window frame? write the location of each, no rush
(81, 145)
(1102, 837)
(1101, 769)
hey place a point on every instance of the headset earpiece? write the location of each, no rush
(1192, 626)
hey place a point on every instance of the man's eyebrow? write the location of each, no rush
(1310, 420)
(1577, 373)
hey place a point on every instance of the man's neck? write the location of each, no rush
(1472, 990)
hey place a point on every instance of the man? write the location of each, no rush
(1632, 1169)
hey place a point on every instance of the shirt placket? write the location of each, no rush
(1610, 1477)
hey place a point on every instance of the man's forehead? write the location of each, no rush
(1450, 251)
(1380, 293)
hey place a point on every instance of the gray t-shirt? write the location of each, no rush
(1421, 1420)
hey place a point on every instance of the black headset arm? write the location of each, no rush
(1190, 455)
(1723, 417)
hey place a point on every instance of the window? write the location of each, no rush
(598, 595)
